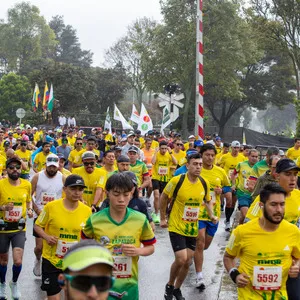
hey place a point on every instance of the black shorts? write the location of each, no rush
(50, 278)
(158, 185)
(180, 242)
(34, 233)
(16, 239)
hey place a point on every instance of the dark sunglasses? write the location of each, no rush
(179, 144)
(91, 163)
(18, 167)
(84, 283)
(78, 143)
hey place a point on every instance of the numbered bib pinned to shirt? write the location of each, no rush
(62, 247)
(14, 215)
(122, 266)
(47, 197)
(267, 278)
(163, 171)
(190, 214)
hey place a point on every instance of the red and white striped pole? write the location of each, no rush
(199, 109)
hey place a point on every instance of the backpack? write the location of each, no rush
(178, 186)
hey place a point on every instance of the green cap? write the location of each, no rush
(86, 256)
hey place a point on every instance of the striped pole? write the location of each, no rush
(199, 109)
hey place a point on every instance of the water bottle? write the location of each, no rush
(2, 225)
(21, 224)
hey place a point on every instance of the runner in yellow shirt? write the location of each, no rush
(59, 224)
(266, 258)
(39, 162)
(25, 156)
(294, 152)
(75, 155)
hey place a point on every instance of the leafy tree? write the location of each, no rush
(68, 49)
(15, 92)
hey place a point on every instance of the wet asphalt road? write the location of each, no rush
(153, 270)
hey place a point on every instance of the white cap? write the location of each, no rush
(52, 160)
(27, 126)
(235, 144)
(191, 137)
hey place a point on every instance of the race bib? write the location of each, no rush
(14, 215)
(230, 172)
(246, 185)
(212, 196)
(122, 266)
(163, 170)
(267, 278)
(47, 197)
(190, 214)
(62, 248)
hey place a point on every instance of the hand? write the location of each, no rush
(242, 280)
(51, 240)
(129, 250)
(233, 188)
(30, 213)
(214, 219)
(169, 149)
(218, 190)
(163, 223)
(294, 270)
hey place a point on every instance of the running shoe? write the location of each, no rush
(177, 294)
(3, 290)
(169, 292)
(200, 283)
(15, 293)
(37, 270)
(227, 225)
(156, 218)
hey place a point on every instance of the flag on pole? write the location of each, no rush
(135, 116)
(51, 99)
(244, 138)
(46, 97)
(166, 120)
(107, 123)
(36, 97)
(119, 117)
(145, 122)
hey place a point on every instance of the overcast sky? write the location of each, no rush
(99, 23)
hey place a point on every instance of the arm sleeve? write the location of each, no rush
(233, 247)
(147, 237)
(88, 230)
(43, 218)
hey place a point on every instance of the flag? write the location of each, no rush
(51, 99)
(145, 122)
(46, 97)
(36, 97)
(107, 123)
(244, 138)
(166, 120)
(135, 116)
(119, 117)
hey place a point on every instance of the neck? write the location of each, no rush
(207, 167)
(118, 216)
(69, 204)
(234, 154)
(14, 182)
(267, 225)
(192, 178)
(176, 150)
(109, 168)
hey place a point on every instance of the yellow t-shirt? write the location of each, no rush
(263, 253)
(161, 168)
(219, 149)
(65, 172)
(229, 163)
(180, 157)
(292, 208)
(154, 144)
(292, 153)
(64, 224)
(26, 157)
(92, 181)
(2, 163)
(40, 160)
(71, 141)
(244, 170)
(75, 156)
(187, 207)
(216, 178)
(19, 195)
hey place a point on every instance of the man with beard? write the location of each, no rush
(47, 186)
(15, 202)
(266, 258)
(40, 159)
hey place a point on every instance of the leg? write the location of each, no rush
(184, 268)
(17, 266)
(38, 248)
(243, 211)
(198, 256)
(181, 257)
(228, 208)
(156, 201)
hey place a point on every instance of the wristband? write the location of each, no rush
(234, 273)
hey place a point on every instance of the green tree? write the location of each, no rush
(25, 38)
(68, 49)
(15, 92)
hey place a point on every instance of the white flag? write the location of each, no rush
(107, 123)
(145, 122)
(166, 119)
(135, 116)
(119, 117)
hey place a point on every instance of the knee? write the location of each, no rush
(18, 262)
(200, 244)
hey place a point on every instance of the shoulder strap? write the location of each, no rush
(178, 186)
(204, 186)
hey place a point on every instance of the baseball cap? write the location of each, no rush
(61, 156)
(10, 133)
(218, 138)
(286, 164)
(52, 160)
(138, 131)
(130, 134)
(124, 139)
(198, 143)
(235, 144)
(11, 160)
(6, 143)
(191, 137)
(88, 155)
(123, 158)
(74, 180)
(85, 254)
(132, 176)
(117, 148)
(191, 152)
(133, 149)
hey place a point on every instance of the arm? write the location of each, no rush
(35, 165)
(153, 160)
(131, 250)
(98, 195)
(164, 199)
(209, 206)
(51, 240)
(146, 182)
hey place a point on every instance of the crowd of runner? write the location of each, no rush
(88, 191)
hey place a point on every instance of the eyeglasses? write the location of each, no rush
(78, 144)
(84, 283)
(91, 163)
(23, 144)
(179, 144)
(18, 167)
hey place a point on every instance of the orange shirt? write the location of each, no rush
(148, 157)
